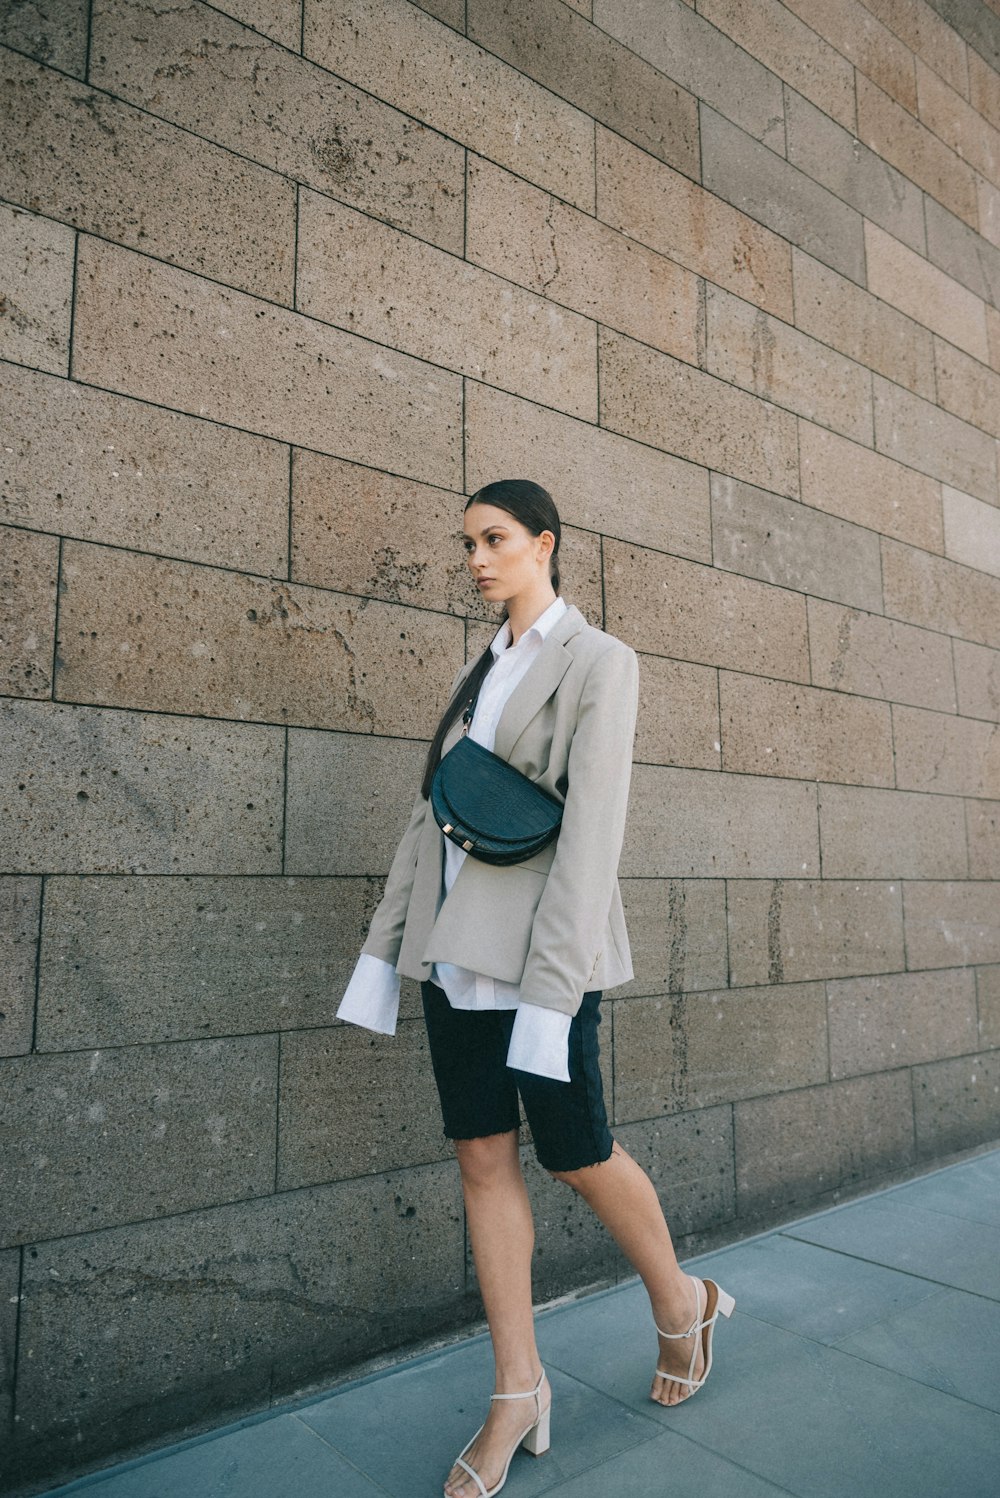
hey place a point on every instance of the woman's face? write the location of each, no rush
(505, 559)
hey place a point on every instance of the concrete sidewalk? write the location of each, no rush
(863, 1359)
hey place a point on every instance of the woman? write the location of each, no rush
(513, 961)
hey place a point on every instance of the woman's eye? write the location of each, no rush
(494, 538)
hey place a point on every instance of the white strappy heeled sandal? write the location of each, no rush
(534, 1438)
(718, 1303)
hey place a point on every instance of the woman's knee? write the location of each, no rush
(488, 1159)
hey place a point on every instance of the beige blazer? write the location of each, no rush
(553, 924)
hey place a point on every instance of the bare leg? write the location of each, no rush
(502, 1235)
(625, 1200)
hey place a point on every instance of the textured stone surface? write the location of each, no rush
(857, 652)
(959, 124)
(857, 484)
(599, 480)
(988, 1000)
(36, 281)
(971, 531)
(794, 930)
(900, 276)
(780, 728)
(53, 31)
(747, 348)
(898, 1019)
(694, 1050)
(720, 826)
(582, 63)
(83, 463)
(927, 35)
(649, 396)
(850, 319)
(983, 823)
(921, 435)
(893, 133)
(279, 19)
(759, 183)
(654, 204)
(140, 960)
(956, 1104)
(678, 722)
(677, 933)
(689, 1158)
(665, 606)
(964, 254)
(941, 752)
(860, 37)
(98, 790)
(170, 337)
(281, 110)
(412, 62)
(557, 251)
(948, 924)
(141, 632)
(349, 798)
(966, 388)
(940, 594)
(798, 1146)
(871, 833)
(391, 288)
(770, 32)
(29, 565)
(97, 163)
(102, 1137)
(977, 675)
(20, 900)
(782, 541)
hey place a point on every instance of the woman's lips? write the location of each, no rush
(484, 582)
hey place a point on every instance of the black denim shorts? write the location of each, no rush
(479, 1091)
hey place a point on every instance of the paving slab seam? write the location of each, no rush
(882, 1264)
(342, 1454)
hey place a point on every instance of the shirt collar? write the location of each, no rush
(540, 628)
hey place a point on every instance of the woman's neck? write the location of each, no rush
(523, 610)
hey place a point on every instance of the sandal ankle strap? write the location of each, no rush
(535, 1393)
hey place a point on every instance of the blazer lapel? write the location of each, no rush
(538, 683)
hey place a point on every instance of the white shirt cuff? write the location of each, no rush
(539, 1042)
(371, 999)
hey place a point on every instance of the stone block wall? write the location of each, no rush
(283, 281)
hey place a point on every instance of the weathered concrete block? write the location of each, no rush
(794, 930)
(706, 825)
(677, 933)
(929, 36)
(600, 481)
(864, 40)
(900, 276)
(678, 721)
(850, 319)
(785, 542)
(948, 924)
(877, 1023)
(759, 183)
(180, 341)
(52, 31)
(988, 1002)
(689, 1051)
(942, 752)
(349, 798)
(648, 395)
(451, 12)
(940, 594)
(398, 291)
(281, 110)
(984, 88)
(959, 124)
(656, 205)
(983, 822)
(863, 486)
(99, 1137)
(989, 213)
(780, 728)
(386, 1116)
(747, 348)
(967, 388)
(582, 63)
(977, 675)
(205, 640)
(36, 286)
(93, 790)
(921, 435)
(408, 59)
(770, 32)
(95, 162)
(29, 567)
(871, 833)
(893, 133)
(800, 1146)
(134, 961)
(665, 606)
(567, 256)
(969, 257)
(875, 657)
(10, 1279)
(279, 19)
(20, 900)
(677, 41)
(83, 463)
(956, 1104)
(971, 531)
(689, 1158)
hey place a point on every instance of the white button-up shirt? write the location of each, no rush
(539, 1039)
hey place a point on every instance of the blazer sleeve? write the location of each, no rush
(572, 913)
